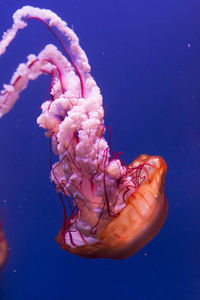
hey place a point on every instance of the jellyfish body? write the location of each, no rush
(137, 223)
(3, 247)
(113, 209)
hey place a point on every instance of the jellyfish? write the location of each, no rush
(111, 210)
(3, 247)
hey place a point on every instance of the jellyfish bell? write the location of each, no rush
(112, 209)
(135, 225)
(3, 247)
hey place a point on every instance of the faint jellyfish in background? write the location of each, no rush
(113, 209)
(3, 247)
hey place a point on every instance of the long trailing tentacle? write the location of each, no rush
(52, 20)
(49, 61)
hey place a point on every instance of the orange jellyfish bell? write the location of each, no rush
(113, 209)
(138, 222)
(3, 248)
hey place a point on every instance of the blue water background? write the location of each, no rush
(145, 57)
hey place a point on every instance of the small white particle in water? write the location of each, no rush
(145, 254)
(189, 45)
(14, 270)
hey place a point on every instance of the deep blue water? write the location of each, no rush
(145, 57)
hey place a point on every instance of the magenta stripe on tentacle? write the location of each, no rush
(64, 48)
